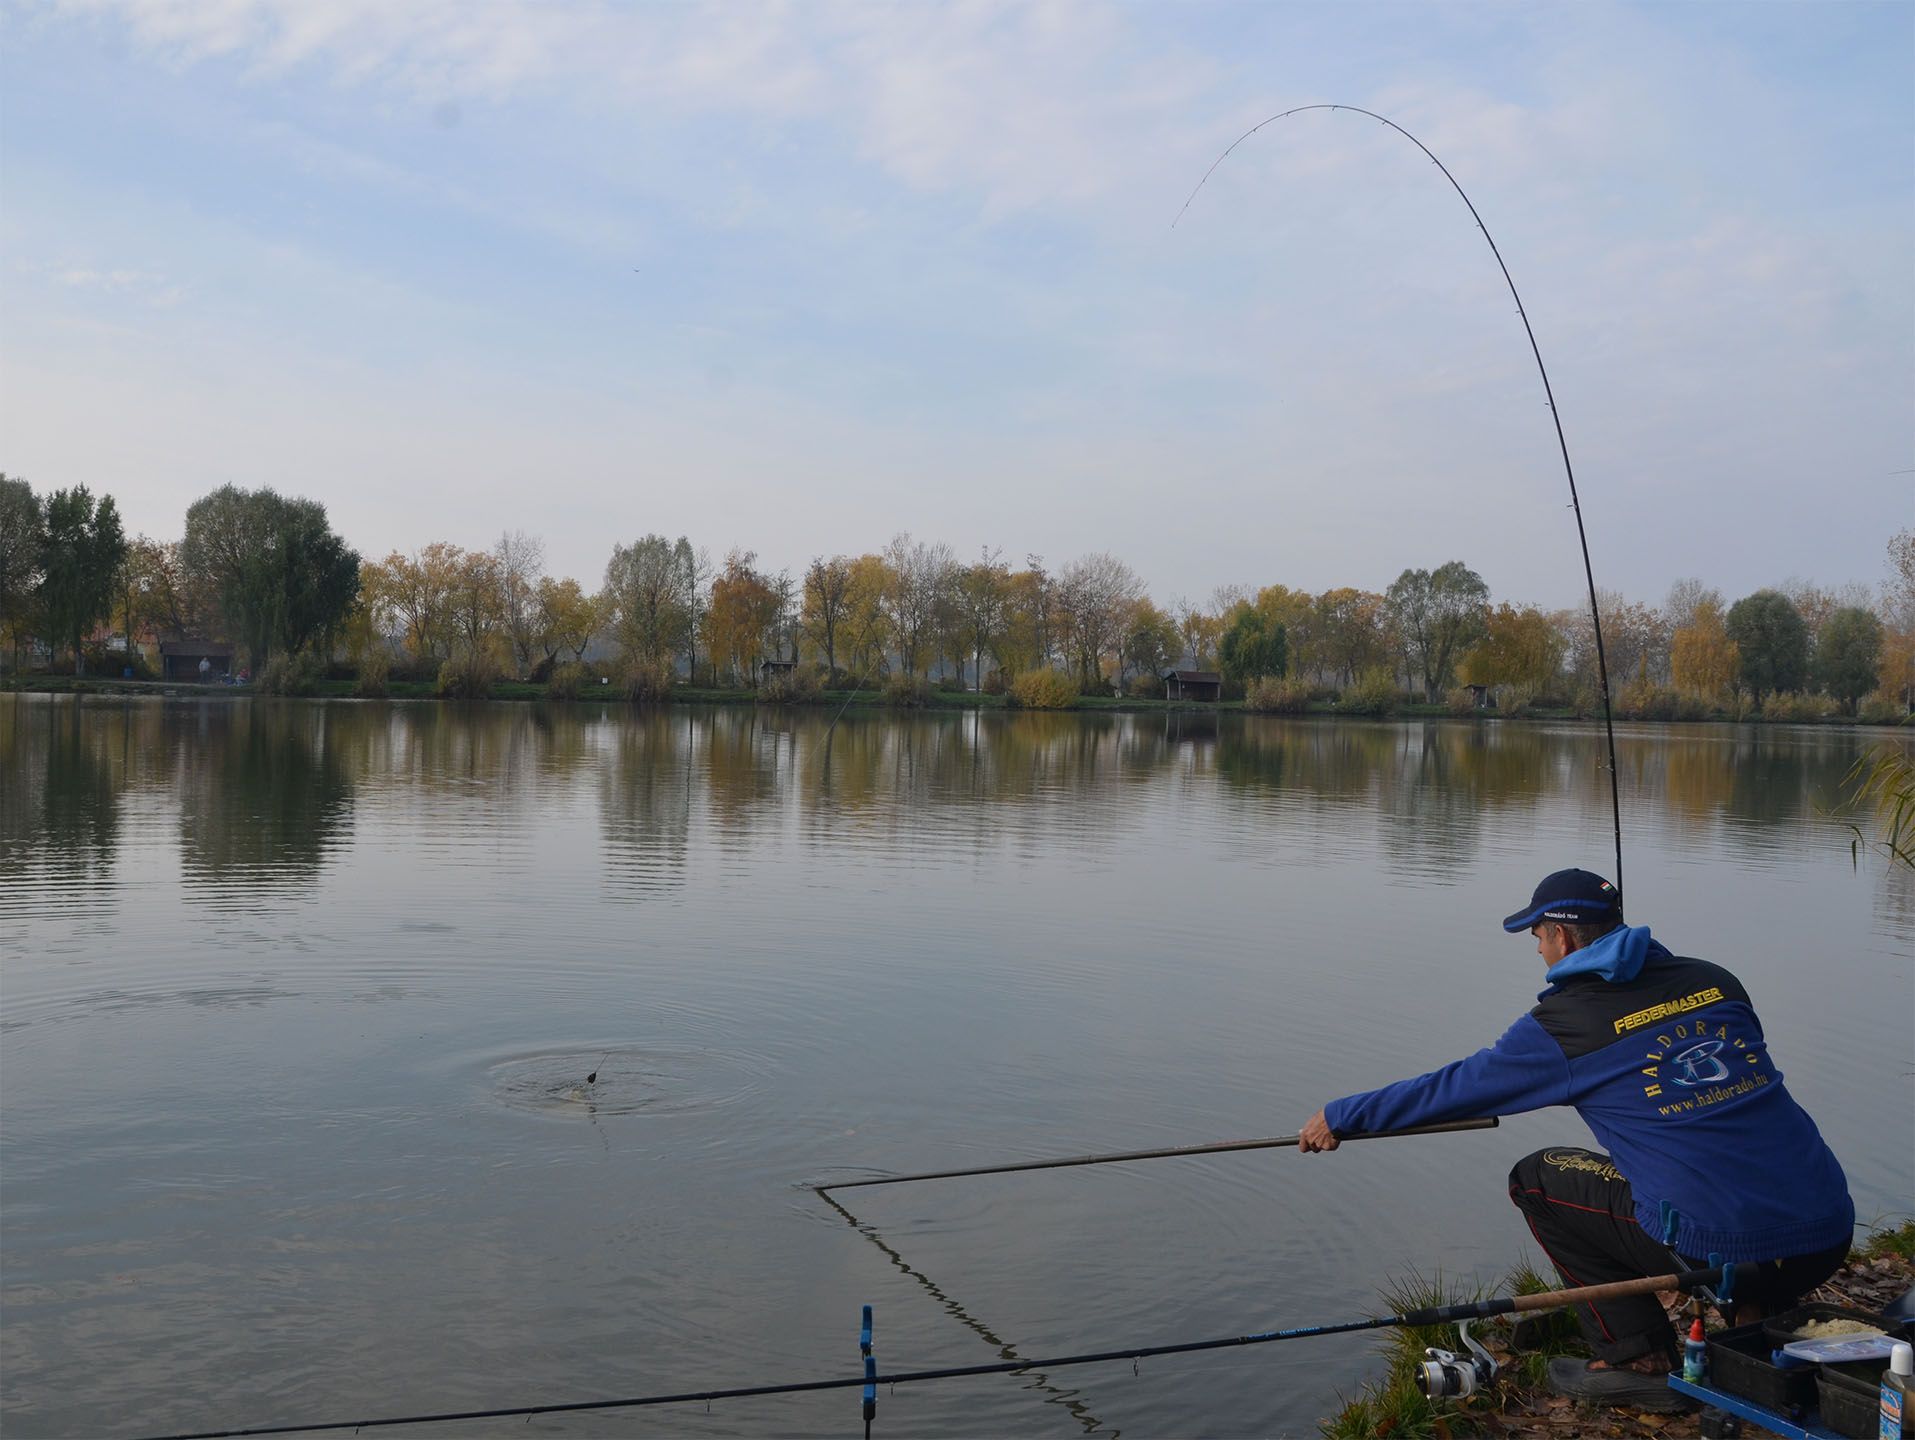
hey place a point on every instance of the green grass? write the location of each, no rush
(1392, 1405)
(1899, 1240)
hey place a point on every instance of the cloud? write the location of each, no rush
(142, 287)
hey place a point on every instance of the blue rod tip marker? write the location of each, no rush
(870, 1406)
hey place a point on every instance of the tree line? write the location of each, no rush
(268, 574)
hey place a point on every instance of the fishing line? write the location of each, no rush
(1595, 616)
(1067, 1398)
(1435, 1315)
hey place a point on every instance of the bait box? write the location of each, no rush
(1851, 1399)
(1783, 1328)
(1739, 1364)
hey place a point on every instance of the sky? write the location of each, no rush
(794, 278)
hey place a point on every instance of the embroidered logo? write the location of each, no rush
(1696, 1056)
(1668, 1008)
(1698, 1064)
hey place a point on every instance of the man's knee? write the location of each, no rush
(1525, 1176)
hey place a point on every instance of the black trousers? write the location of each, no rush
(1580, 1209)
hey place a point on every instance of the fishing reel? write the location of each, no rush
(1449, 1376)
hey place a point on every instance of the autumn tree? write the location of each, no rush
(1520, 647)
(565, 618)
(1094, 597)
(827, 590)
(863, 626)
(520, 559)
(1026, 641)
(920, 576)
(1817, 604)
(477, 607)
(648, 592)
(417, 591)
(981, 595)
(1352, 633)
(1702, 658)
(81, 549)
(1440, 614)
(1898, 610)
(1847, 653)
(742, 613)
(1152, 640)
(1772, 643)
(1294, 610)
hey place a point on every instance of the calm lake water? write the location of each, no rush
(300, 998)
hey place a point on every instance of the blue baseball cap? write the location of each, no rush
(1569, 897)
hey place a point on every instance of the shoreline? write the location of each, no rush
(414, 691)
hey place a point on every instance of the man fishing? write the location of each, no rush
(1664, 1059)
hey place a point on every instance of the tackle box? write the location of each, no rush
(1851, 1399)
(1739, 1364)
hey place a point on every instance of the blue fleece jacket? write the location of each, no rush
(1664, 1059)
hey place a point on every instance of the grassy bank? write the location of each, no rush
(1520, 1404)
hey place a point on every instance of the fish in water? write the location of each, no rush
(592, 1079)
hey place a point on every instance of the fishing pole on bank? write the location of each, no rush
(1549, 394)
(872, 1377)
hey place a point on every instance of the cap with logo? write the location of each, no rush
(1570, 897)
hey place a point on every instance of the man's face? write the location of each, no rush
(1549, 941)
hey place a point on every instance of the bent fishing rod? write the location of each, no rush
(1549, 395)
(1172, 1152)
(1433, 1315)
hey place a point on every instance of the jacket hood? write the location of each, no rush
(1618, 957)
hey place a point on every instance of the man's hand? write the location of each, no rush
(1316, 1135)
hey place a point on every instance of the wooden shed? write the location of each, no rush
(1193, 685)
(180, 660)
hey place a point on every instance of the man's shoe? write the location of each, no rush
(1574, 1378)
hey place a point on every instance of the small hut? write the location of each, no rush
(180, 660)
(1193, 685)
(773, 669)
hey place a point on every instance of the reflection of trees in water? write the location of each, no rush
(1746, 773)
(971, 779)
(1430, 784)
(508, 752)
(645, 800)
(61, 778)
(263, 798)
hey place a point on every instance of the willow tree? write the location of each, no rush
(283, 579)
(1441, 614)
